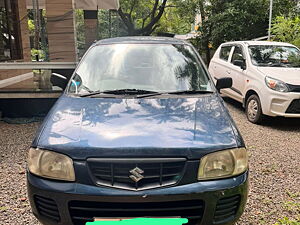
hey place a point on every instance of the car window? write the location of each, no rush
(151, 67)
(225, 52)
(237, 54)
(274, 56)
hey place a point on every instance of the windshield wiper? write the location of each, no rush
(186, 92)
(144, 93)
(91, 94)
(189, 92)
(129, 92)
(119, 92)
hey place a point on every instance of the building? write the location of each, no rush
(52, 23)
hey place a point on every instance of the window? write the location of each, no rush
(237, 54)
(151, 67)
(275, 56)
(10, 45)
(225, 51)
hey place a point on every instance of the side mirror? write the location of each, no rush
(240, 63)
(225, 82)
(59, 80)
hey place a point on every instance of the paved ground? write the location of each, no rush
(274, 161)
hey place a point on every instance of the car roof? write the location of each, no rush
(259, 43)
(141, 39)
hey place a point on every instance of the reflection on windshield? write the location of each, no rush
(274, 56)
(150, 67)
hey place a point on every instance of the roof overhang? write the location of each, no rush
(96, 4)
(186, 36)
(81, 4)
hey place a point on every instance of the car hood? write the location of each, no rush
(287, 75)
(110, 127)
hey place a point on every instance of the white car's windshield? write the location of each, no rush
(149, 67)
(274, 56)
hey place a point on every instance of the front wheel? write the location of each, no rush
(253, 109)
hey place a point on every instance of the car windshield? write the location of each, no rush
(274, 56)
(146, 67)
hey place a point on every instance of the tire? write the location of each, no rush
(253, 110)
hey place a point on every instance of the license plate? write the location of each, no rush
(111, 219)
(129, 218)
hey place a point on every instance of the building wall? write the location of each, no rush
(24, 38)
(61, 31)
(61, 38)
(90, 27)
(27, 84)
(24, 31)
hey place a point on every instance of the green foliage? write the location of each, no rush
(287, 29)
(140, 17)
(292, 206)
(234, 20)
(239, 20)
(31, 26)
(105, 28)
(287, 221)
(80, 31)
(40, 53)
(293, 194)
(114, 28)
(178, 18)
(243, 20)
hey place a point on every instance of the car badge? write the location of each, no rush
(136, 174)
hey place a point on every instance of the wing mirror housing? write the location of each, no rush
(240, 63)
(224, 82)
(59, 80)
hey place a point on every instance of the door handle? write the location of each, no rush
(228, 72)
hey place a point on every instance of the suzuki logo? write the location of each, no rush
(136, 174)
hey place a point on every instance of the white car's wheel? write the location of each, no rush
(253, 109)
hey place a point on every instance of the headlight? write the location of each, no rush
(222, 164)
(50, 165)
(276, 85)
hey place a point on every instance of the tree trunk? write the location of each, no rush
(206, 41)
(148, 28)
(207, 53)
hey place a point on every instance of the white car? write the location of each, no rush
(266, 77)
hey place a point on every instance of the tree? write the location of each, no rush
(141, 16)
(234, 20)
(287, 29)
(178, 17)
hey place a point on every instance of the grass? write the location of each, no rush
(292, 206)
(3, 208)
(287, 221)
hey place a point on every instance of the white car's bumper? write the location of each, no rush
(281, 104)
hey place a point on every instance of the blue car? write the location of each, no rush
(140, 131)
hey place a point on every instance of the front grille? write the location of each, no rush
(226, 209)
(118, 173)
(47, 208)
(294, 107)
(82, 211)
(294, 88)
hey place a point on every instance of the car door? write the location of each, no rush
(237, 72)
(219, 64)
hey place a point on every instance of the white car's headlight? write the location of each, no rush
(51, 165)
(222, 164)
(276, 85)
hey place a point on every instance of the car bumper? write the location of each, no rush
(63, 198)
(281, 104)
